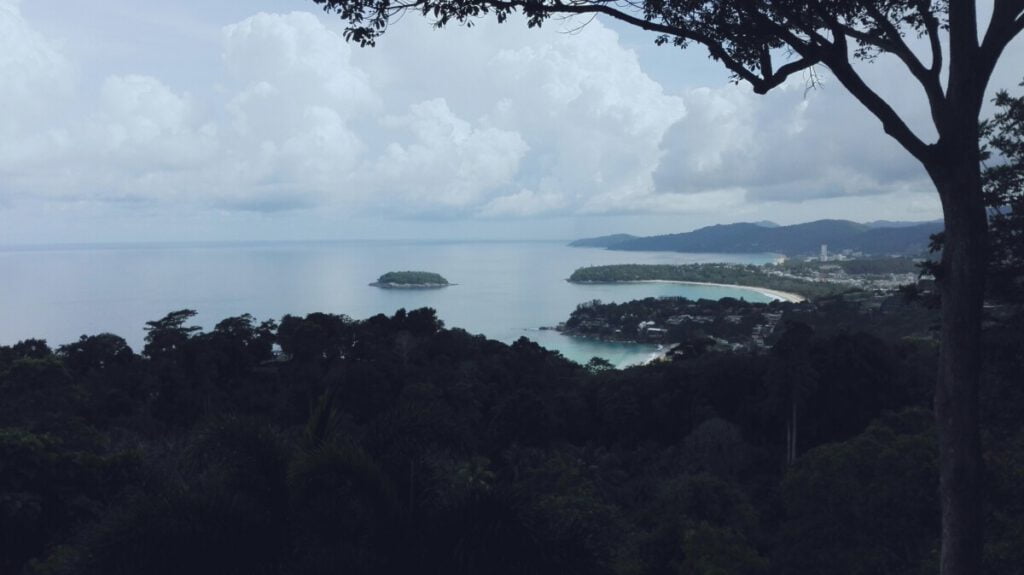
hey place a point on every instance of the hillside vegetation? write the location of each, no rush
(394, 445)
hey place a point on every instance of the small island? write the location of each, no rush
(411, 280)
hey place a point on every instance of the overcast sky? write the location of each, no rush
(227, 120)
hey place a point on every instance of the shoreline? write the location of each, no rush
(777, 294)
(387, 285)
(660, 355)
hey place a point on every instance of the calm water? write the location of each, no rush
(505, 290)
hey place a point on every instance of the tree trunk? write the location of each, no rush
(792, 449)
(961, 283)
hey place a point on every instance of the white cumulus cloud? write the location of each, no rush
(35, 89)
(448, 164)
(793, 144)
(493, 121)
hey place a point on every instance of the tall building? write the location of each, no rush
(824, 252)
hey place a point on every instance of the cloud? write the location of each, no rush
(524, 203)
(292, 95)
(299, 118)
(593, 118)
(562, 119)
(143, 126)
(794, 144)
(447, 163)
(277, 136)
(35, 87)
(494, 121)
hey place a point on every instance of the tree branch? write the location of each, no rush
(929, 79)
(835, 56)
(1007, 22)
(761, 84)
(932, 27)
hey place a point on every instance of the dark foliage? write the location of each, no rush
(393, 445)
(765, 43)
(1004, 195)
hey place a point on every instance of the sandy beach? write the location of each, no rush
(781, 295)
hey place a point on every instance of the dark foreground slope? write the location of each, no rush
(393, 445)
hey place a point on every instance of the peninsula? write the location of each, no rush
(411, 280)
(727, 324)
(750, 276)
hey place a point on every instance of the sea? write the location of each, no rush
(503, 289)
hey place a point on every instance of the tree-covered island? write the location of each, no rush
(420, 280)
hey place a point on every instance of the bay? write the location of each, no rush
(505, 290)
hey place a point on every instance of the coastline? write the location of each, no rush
(660, 355)
(388, 285)
(779, 295)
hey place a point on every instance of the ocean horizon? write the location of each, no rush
(506, 289)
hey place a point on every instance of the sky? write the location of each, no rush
(218, 120)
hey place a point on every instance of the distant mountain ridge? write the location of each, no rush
(603, 241)
(904, 238)
(897, 223)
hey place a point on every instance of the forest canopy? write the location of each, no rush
(394, 445)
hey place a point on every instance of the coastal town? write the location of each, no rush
(805, 278)
(844, 291)
(850, 269)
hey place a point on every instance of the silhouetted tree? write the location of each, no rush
(168, 335)
(31, 348)
(96, 353)
(1004, 194)
(238, 344)
(791, 379)
(763, 44)
(318, 336)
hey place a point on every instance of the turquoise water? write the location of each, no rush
(505, 290)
